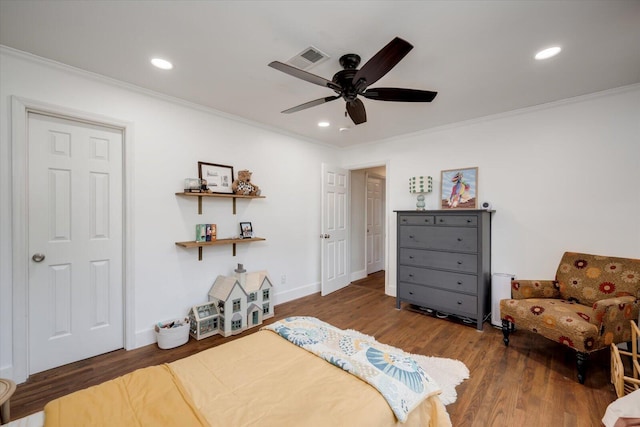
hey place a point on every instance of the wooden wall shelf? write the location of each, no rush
(199, 245)
(224, 196)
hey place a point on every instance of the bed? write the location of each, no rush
(269, 378)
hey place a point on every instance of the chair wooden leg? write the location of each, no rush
(582, 360)
(507, 327)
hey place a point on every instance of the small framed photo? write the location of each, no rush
(246, 231)
(459, 188)
(219, 178)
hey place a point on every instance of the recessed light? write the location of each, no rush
(344, 129)
(162, 63)
(323, 124)
(548, 53)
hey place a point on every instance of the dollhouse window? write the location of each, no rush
(253, 296)
(265, 294)
(236, 305)
(265, 308)
(236, 324)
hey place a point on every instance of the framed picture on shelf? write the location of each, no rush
(246, 231)
(219, 178)
(459, 188)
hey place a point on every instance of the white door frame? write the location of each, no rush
(387, 216)
(20, 108)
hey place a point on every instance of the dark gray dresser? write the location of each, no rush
(444, 261)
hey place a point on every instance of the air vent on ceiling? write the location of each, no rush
(308, 58)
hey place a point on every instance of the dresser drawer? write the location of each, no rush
(439, 279)
(459, 220)
(446, 238)
(466, 263)
(466, 305)
(416, 219)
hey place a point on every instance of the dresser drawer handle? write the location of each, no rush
(410, 293)
(411, 236)
(459, 282)
(410, 275)
(459, 262)
(410, 256)
(403, 220)
(459, 302)
(459, 239)
(468, 221)
(441, 220)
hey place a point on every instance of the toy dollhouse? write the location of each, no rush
(236, 303)
(203, 320)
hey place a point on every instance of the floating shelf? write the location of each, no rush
(224, 196)
(199, 245)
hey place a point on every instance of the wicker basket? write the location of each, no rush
(626, 384)
(174, 336)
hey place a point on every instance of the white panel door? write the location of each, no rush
(375, 224)
(75, 241)
(334, 235)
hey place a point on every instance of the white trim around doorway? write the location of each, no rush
(20, 108)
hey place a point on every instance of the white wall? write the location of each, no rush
(561, 177)
(169, 139)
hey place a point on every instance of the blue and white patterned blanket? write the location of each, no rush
(394, 373)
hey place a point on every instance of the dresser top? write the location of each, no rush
(445, 211)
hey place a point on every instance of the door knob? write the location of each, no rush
(38, 257)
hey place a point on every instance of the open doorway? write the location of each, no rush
(368, 222)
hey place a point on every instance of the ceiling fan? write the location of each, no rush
(353, 82)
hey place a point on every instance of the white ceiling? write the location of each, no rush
(478, 55)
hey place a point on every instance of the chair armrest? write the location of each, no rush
(609, 313)
(521, 289)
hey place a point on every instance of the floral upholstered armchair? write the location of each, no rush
(587, 307)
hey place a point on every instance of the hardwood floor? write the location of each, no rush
(530, 383)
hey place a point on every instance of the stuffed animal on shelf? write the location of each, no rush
(243, 186)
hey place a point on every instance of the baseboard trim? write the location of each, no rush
(295, 293)
(7, 372)
(148, 336)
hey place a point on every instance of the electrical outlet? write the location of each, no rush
(283, 279)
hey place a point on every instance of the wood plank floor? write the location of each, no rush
(530, 383)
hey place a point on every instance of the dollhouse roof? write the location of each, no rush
(255, 281)
(223, 286)
(204, 310)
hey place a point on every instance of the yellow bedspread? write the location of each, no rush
(146, 397)
(259, 380)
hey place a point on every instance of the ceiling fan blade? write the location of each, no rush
(381, 63)
(310, 104)
(356, 111)
(399, 94)
(301, 74)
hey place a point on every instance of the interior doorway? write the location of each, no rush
(368, 221)
(23, 261)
